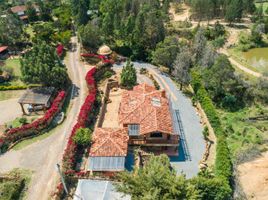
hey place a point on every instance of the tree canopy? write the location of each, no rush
(83, 136)
(128, 75)
(42, 65)
(156, 181)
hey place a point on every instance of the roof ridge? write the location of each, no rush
(110, 139)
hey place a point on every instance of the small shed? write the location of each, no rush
(88, 189)
(39, 96)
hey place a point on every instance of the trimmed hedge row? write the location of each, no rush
(223, 165)
(13, 87)
(84, 119)
(17, 87)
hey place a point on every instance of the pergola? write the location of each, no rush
(39, 96)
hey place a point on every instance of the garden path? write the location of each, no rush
(9, 110)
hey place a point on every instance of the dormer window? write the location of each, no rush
(156, 102)
(133, 129)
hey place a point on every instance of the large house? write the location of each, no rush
(21, 11)
(145, 120)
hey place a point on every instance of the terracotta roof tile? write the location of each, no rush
(148, 107)
(109, 142)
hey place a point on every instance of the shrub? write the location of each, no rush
(223, 165)
(128, 75)
(205, 133)
(143, 71)
(82, 136)
(23, 120)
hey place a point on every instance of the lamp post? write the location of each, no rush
(62, 178)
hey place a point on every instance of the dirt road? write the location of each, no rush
(42, 156)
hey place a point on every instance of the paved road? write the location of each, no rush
(42, 156)
(190, 121)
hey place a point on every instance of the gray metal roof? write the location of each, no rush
(37, 96)
(88, 189)
(106, 163)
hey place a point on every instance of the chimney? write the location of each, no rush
(163, 93)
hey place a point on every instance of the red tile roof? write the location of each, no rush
(109, 142)
(148, 107)
(3, 48)
(17, 9)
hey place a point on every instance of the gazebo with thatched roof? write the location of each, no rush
(104, 50)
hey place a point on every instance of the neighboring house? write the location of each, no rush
(88, 189)
(21, 11)
(145, 118)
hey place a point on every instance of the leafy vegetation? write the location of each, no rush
(50, 71)
(128, 76)
(15, 185)
(83, 136)
(156, 180)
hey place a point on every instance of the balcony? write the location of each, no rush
(154, 142)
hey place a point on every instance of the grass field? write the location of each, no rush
(10, 94)
(14, 64)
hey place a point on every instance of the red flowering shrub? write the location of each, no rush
(15, 134)
(69, 155)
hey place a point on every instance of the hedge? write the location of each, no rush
(223, 165)
(17, 87)
(15, 134)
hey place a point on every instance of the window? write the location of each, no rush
(133, 129)
(156, 102)
(156, 135)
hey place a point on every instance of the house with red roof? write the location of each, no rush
(145, 119)
(21, 11)
(147, 115)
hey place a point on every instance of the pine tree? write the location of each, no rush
(128, 75)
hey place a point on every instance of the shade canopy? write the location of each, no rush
(37, 96)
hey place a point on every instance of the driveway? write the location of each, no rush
(192, 144)
(10, 110)
(42, 156)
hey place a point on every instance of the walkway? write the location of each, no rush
(190, 122)
(42, 156)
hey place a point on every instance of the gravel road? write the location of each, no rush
(41, 157)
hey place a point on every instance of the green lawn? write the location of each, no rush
(242, 133)
(30, 141)
(10, 94)
(14, 64)
(265, 6)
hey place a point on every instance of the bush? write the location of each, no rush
(205, 133)
(143, 71)
(23, 120)
(13, 87)
(128, 75)
(223, 165)
(82, 136)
